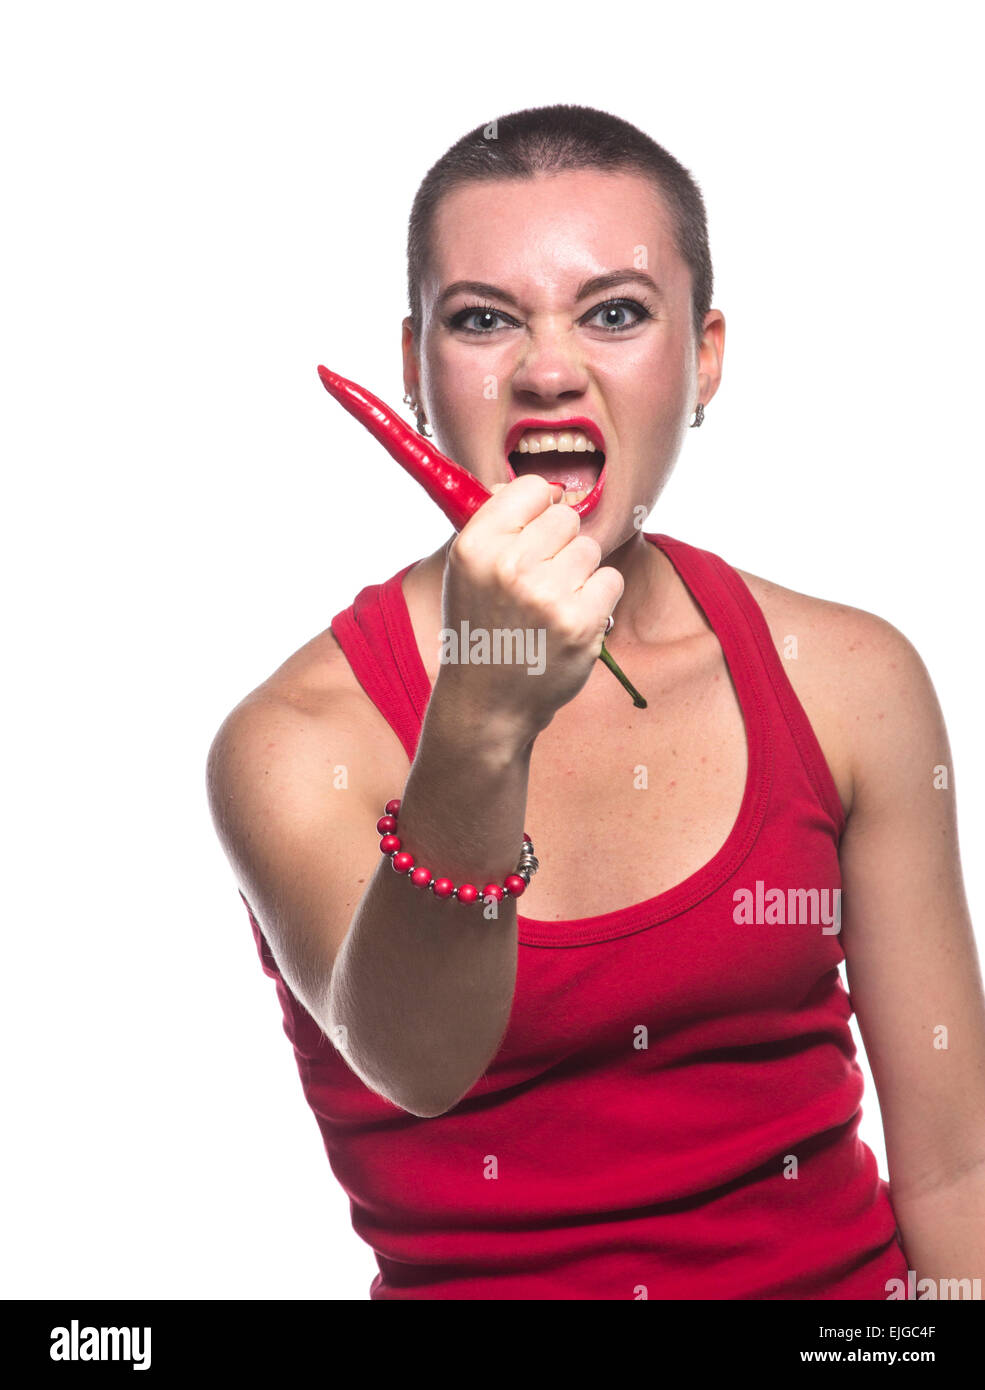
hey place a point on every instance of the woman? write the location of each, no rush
(644, 1085)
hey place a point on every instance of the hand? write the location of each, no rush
(521, 562)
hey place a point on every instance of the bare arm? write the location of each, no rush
(910, 954)
(416, 991)
(423, 986)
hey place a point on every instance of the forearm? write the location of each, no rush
(422, 986)
(943, 1230)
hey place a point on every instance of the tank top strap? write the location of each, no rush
(377, 638)
(378, 641)
(739, 622)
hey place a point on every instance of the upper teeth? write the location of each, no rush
(543, 442)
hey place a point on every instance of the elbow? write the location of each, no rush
(383, 1077)
(421, 1105)
(414, 1095)
(427, 1108)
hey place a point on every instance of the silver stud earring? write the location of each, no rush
(699, 415)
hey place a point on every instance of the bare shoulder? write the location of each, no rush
(294, 774)
(309, 706)
(859, 678)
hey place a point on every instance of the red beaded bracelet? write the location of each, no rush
(403, 863)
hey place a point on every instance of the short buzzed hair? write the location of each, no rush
(558, 139)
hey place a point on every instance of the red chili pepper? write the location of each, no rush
(457, 492)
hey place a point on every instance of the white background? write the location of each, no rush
(202, 203)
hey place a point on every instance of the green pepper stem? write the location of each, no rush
(606, 656)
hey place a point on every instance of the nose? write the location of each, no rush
(550, 367)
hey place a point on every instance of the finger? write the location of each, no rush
(514, 505)
(604, 588)
(546, 536)
(575, 562)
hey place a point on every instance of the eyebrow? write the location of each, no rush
(596, 285)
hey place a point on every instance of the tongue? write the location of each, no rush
(557, 469)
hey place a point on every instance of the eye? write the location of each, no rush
(620, 314)
(484, 316)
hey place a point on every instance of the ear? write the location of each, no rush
(412, 377)
(710, 354)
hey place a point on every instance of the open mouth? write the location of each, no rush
(570, 452)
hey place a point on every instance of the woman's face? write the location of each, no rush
(513, 330)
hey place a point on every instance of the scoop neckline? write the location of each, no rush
(662, 907)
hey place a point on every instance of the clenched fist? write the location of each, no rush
(521, 563)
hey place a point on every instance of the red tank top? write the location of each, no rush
(673, 1110)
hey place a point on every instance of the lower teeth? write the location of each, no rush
(578, 495)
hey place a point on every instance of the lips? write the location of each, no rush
(588, 427)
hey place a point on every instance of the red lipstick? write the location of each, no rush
(587, 427)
